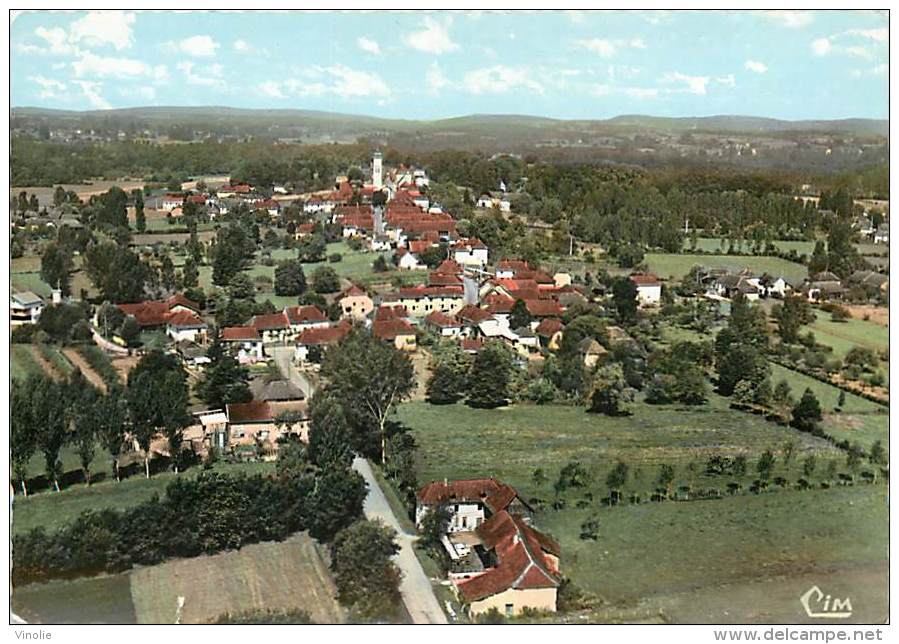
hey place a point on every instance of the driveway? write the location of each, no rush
(284, 359)
(418, 595)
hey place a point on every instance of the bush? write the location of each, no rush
(335, 257)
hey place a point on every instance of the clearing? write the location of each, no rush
(292, 574)
(674, 266)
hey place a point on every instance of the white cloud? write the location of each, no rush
(56, 38)
(791, 19)
(369, 45)
(91, 91)
(729, 80)
(100, 28)
(879, 70)
(601, 46)
(693, 84)
(197, 46)
(878, 35)
(206, 77)
(859, 52)
(606, 48)
(577, 17)
(821, 46)
(631, 92)
(50, 87)
(242, 45)
(271, 89)
(436, 79)
(756, 66)
(348, 82)
(499, 79)
(434, 38)
(90, 64)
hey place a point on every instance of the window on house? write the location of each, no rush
(510, 609)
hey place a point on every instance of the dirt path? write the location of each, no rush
(80, 363)
(45, 364)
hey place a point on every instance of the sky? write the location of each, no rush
(425, 65)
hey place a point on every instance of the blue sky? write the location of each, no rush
(786, 64)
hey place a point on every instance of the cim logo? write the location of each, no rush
(817, 604)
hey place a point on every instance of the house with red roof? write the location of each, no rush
(447, 326)
(245, 341)
(422, 300)
(258, 424)
(301, 318)
(355, 303)
(469, 501)
(471, 252)
(649, 288)
(272, 327)
(396, 331)
(509, 268)
(177, 315)
(312, 342)
(512, 567)
(549, 330)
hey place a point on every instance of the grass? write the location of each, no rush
(90, 600)
(291, 574)
(827, 395)
(56, 359)
(674, 266)
(22, 362)
(713, 245)
(743, 555)
(843, 336)
(750, 544)
(511, 443)
(51, 510)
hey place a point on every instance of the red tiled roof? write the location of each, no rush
(270, 321)
(472, 243)
(304, 314)
(444, 279)
(647, 279)
(497, 303)
(155, 313)
(324, 335)
(478, 490)
(513, 265)
(441, 320)
(523, 561)
(200, 199)
(471, 313)
(308, 227)
(185, 320)
(472, 344)
(391, 328)
(351, 291)
(419, 246)
(448, 267)
(249, 412)
(548, 327)
(178, 299)
(391, 312)
(239, 333)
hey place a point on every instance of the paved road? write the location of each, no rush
(284, 359)
(471, 290)
(418, 595)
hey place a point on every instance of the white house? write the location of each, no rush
(485, 201)
(24, 308)
(471, 252)
(882, 235)
(185, 325)
(409, 261)
(246, 340)
(649, 289)
(469, 502)
(172, 201)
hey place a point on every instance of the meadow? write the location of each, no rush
(745, 557)
(674, 266)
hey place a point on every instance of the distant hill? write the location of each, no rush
(331, 121)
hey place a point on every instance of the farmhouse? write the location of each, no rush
(257, 423)
(471, 252)
(355, 303)
(520, 568)
(396, 331)
(649, 288)
(24, 308)
(445, 325)
(177, 315)
(469, 501)
(312, 342)
(245, 341)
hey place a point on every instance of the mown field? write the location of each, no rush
(675, 266)
(292, 574)
(653, 557)
(843, 336)
(288, 575)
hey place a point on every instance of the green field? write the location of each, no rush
(51, 510)
(675, 266)
(743, 557)
(842, 336)
(510, 443)
(22, 362)
(90, 600)
(827, 395)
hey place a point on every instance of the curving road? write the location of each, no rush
(415, 587)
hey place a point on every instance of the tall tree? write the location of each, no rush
(22, 430)
(790, 316)
(330, 440)
(140, 218)
(56, 266)
(488, 380)
(225, 380)
(366, 577)
(157, 402)
(624, 299)
(807, 412)
(112, 413)
(289, 278)
(449, 372)
(520, 316)
(371, 378)
(85, 421)
(49, 414)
